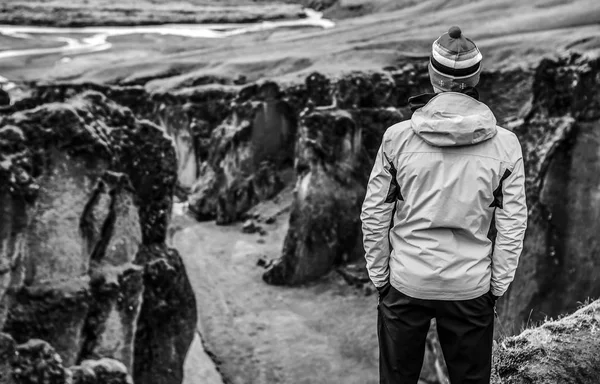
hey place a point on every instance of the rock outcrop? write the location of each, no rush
(333, 148)
(559, 266)
(86, 192)
(246, 153)
(563, 351)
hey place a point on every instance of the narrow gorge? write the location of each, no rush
(88, 173)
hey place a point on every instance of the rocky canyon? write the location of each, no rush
(171, 188)
(90, 171)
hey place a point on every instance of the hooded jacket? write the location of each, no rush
(438, 181)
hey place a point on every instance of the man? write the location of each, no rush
(438, 182)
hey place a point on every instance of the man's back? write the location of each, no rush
(449, 168)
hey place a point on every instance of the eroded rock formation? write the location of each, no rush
(246, 152)
(236, 144)
(559, 133)
(86, 193)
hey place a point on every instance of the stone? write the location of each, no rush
(114, 313)
(250, 226)
(4, 97)
(83, 375)
(106, 370)
(37, 362)
(7, 356)
(264, 262)
(319, 89)
(167, 318)
(55, 313)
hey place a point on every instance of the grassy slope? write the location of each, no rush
(509, 32)
(566, 350)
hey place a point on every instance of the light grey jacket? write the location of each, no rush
(437, 183)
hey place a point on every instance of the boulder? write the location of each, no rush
(37, 362)
(99, 371)
(250, 226)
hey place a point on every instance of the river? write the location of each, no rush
(82, 40)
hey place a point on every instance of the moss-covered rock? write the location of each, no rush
(37, 362)
(84, 184)
(558, 352)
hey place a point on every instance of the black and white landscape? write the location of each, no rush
(180, 184)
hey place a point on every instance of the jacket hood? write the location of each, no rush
(451, 119)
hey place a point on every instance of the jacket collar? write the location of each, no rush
(419, 101)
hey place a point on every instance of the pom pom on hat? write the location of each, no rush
(455, 61)
(454, 32)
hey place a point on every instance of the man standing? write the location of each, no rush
(438, 182)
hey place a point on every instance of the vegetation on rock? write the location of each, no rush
(87, 190)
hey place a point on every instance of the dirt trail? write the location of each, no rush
(324, 332)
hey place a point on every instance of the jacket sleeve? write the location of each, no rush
(376, 217)
(511, 222)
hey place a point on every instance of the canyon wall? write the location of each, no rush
(240, 144)
(560, 264)
(88, 290)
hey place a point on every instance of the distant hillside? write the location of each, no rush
(368, 35)
(143, 12)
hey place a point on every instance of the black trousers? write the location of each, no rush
(465, 329)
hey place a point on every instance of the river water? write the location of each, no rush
(75, 41)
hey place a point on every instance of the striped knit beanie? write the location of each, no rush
(455, 62)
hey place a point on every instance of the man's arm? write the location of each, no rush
(511, 222)
(376, 218)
